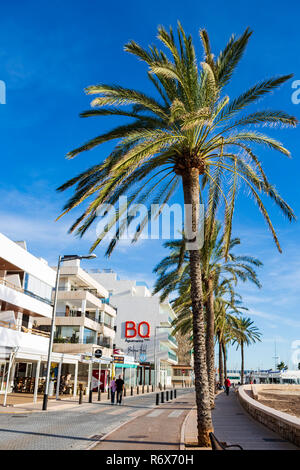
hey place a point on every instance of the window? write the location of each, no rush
(108, 320)
(89, 336)
(37, 287)
(66, 334)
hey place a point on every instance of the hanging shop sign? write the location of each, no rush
(119, 359)
(86, 357)
(98, 353)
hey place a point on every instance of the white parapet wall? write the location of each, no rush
(284, 424)
(17, 339)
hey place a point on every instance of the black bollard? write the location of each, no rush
(108, 393)
(162, 397)
(99, 394)
(80, 396)
(171, 395)
(137, 390)
(167, 395)
(131, 391)
(91, 396)
(143, 389)
(124, 391)
(175, 392)
(157, 399)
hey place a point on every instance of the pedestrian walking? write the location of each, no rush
(120, 388)
(227, 386)
(113, 388)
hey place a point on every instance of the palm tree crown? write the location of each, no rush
(190, 124)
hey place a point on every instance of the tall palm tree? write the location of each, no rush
(173, 274)
(190, 130)
(245, 333)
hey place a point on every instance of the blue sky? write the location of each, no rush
(50, 51)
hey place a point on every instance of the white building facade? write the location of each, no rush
(85, 322)
(26, 285)
(143, 327)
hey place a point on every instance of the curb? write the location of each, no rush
(182, 432)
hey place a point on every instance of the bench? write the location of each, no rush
(217, 445)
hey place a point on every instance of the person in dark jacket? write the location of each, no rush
(120, 388)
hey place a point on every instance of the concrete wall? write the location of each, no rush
(287, 426)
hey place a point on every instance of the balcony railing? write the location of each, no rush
(172, 339)
(23, 329)
(82, 288)
(24, 291)
(100, 321)
(172, 356)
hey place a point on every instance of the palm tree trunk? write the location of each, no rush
(190, 180)
(225, 359)
(210, 347)
(221, 368)
(242, 365)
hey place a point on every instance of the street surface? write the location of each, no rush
(78, 428)
(158, 429)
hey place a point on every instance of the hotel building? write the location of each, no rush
(143, 327)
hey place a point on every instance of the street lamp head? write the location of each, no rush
(91, 256)
(72, 257)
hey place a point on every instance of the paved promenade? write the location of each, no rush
(158, 429)
(75, 428)
(233, 425)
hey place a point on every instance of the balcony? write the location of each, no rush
(26, 300)
(173, 340)
(25, 338)
(172, 356)
(93, 300)
(82, 277)
(24, 291)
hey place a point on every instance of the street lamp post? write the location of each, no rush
(155, 365)
(60, 260)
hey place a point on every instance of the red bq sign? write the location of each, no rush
(131, 329)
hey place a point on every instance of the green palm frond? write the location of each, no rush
(187, 123)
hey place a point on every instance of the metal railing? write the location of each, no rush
(172, 339)
(172, 356)
(25, 291)
(24, 329)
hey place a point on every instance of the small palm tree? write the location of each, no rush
(281, 366)
(227, 303)
(244, 333)
(190, 130)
